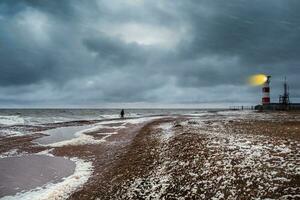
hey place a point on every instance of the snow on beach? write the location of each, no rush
(250, 159)
(159, 179)
(204, 160)
(254, 160)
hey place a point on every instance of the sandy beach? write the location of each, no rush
(221, 155)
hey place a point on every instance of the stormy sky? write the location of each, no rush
(139, 53)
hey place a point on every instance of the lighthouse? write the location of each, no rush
(266, 92)
(284, 100)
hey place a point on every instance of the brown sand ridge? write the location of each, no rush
(206, 160)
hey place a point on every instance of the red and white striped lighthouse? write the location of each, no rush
(266, 92)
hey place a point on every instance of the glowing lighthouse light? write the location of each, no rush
(257, 79)
(264, 80)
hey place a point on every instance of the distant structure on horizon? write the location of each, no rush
(284, 99)
(266, 92)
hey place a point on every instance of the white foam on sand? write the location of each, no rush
(140, 120)
(12, 133)
(46, 152)
(82, 138)
(10, 153)
(167, 132)
(131, 120)
(61, 190)
(200, 114)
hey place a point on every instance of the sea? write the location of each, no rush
(9, 117)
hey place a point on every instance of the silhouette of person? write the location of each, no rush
(122, 113)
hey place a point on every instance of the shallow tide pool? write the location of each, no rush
(60, 134)
(28, 172)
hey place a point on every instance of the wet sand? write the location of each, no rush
(60, 134)
(30, 171)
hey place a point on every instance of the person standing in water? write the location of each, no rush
(122, 113)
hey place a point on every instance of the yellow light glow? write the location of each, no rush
(257, 79)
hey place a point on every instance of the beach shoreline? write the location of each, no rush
(235, 157)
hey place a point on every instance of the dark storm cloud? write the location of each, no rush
(145, 51)
(115, 51)
(261, 35)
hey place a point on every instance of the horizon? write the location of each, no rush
(141, 106)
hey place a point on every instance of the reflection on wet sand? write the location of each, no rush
(60, 134)
(30, 171)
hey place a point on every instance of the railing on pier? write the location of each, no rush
(241, 107)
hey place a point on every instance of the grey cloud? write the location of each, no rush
(115, 51)
(79, 53)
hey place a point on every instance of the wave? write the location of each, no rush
(11, 120)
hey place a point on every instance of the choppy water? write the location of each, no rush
(41, 116)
